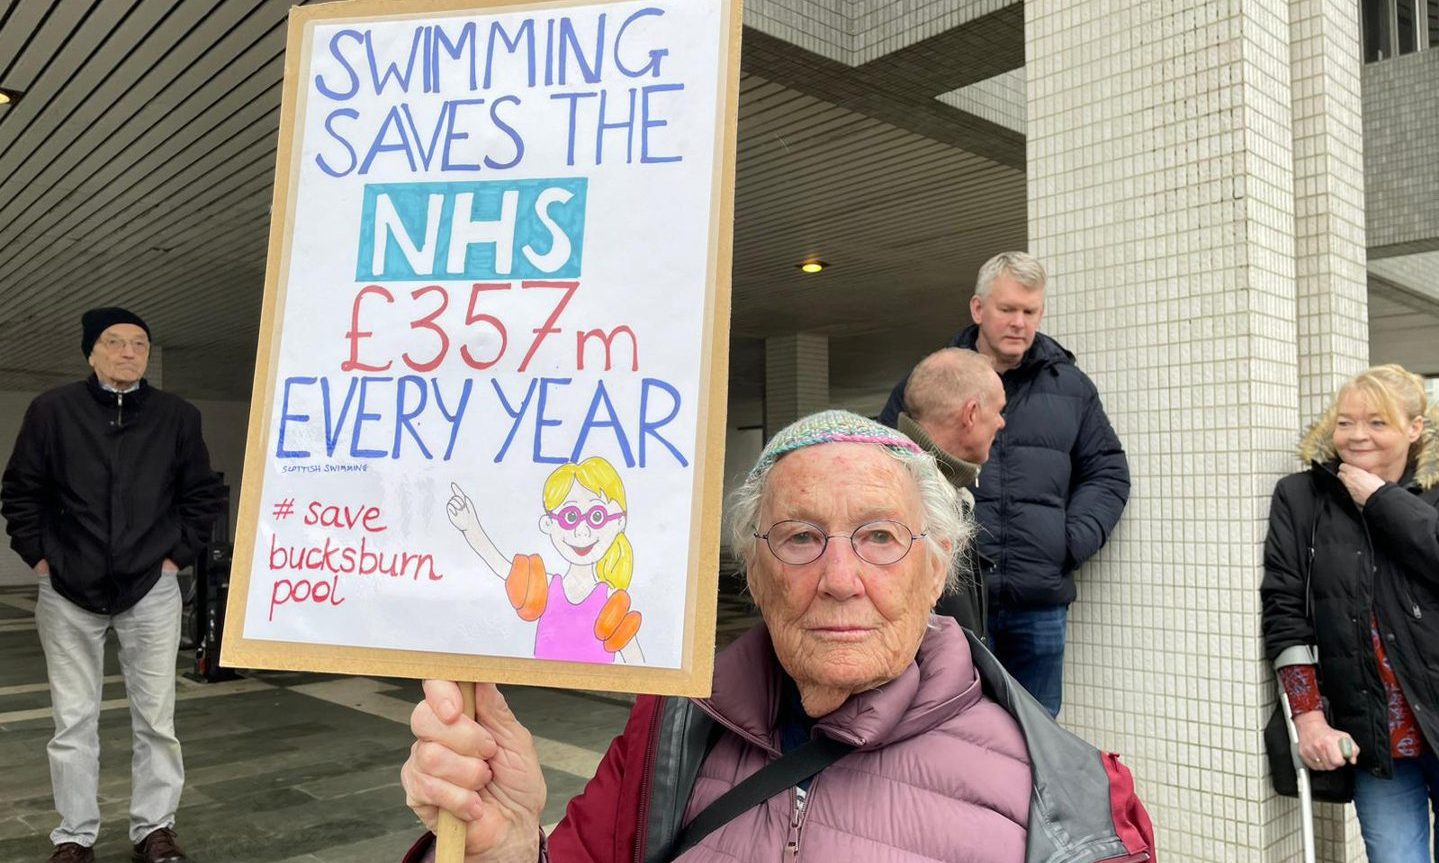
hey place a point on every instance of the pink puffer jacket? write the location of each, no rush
(941, 771)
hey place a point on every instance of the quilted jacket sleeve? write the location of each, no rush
(1285, 622)
(1406, 525)
(1100, 484)
(602, 824)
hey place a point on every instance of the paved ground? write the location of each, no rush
(280, 766)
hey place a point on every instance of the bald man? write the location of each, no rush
(953, 407)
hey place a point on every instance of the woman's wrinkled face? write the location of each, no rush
(584, 526)
(1365, 438)
(841, 622)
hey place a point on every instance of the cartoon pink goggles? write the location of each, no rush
(596, 516)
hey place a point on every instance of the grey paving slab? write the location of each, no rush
(272, 776)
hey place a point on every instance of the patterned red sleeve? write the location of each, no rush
(1301, 684)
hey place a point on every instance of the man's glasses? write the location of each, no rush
(881, 543)
(115, 345)
(596, 516)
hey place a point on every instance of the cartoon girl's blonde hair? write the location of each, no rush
(617, 565)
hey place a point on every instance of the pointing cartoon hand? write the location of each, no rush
(462, 511)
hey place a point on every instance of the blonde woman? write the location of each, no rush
(584, 613)
(1360, 526)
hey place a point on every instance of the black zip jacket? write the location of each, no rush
(1056, 481)
(1382, 559)
(104, 486)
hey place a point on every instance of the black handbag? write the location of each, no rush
(1330, 786)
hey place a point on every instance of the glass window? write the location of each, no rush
(1406, 27)
(1374, 20)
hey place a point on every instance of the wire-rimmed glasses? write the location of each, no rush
(882, 543)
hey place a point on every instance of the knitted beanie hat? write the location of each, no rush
(97, 321)
(833, 426)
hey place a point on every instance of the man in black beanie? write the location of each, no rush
(107, 494)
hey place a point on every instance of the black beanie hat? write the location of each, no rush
(97, 321)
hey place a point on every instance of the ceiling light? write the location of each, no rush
(812, 266)
(8, 97)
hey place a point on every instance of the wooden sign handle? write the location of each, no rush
(450, 832)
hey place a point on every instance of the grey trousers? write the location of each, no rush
(74, 644)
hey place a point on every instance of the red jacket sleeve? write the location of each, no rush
(1301, 684)
(1131, 821)
(602, 824)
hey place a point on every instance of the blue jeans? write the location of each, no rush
(1030, 644)
(1394, 813)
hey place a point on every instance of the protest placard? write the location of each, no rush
(486, 434)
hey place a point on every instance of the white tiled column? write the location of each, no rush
(1328, 199)
(1161, 192)
(1331, 281)
(796, 378)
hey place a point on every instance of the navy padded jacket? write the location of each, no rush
(1056, 481)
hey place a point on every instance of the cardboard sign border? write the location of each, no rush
(694, 676)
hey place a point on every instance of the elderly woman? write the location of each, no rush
(849, 535)
(1352, 566)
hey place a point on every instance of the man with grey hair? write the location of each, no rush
(1057, 478)
(953, 408)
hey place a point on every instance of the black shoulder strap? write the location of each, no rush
(782, 774)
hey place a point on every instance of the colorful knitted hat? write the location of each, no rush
(831, 427)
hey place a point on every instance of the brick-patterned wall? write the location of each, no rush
(1161, 197)
(821, 26)
(1330, 279)
(883, 26)
(1000, 99)
(1401, 124)
(1328, 199)
(855, 32)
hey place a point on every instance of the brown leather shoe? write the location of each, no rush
(72, 852)
(160, 847)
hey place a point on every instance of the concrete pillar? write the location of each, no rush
(796, 378)
(1162, 191)
(1330, 267)
(1328, 199)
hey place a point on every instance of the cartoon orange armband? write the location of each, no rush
(612, 614)
(624, 633)
(527, 586)
(617, 624)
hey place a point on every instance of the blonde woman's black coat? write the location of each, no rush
(1382, 558)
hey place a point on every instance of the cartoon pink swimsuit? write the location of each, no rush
(566, 631)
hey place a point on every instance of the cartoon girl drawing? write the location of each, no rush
(583, 615)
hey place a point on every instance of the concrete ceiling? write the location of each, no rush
(137, 166)
(136, 169)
